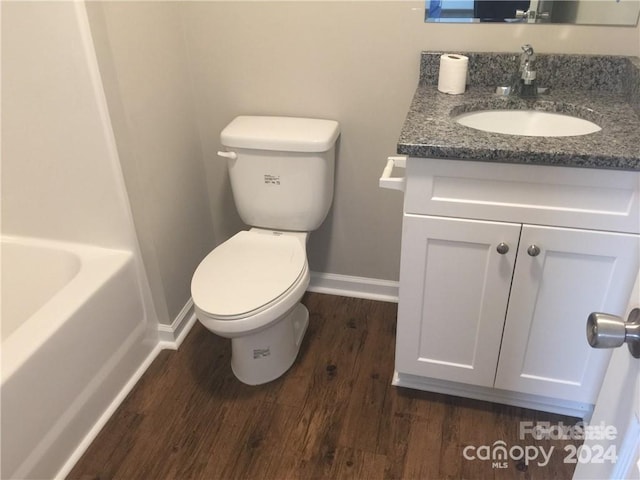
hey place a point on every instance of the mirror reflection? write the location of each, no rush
(577, 12)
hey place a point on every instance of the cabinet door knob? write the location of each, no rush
(502, 248)
(533, 250)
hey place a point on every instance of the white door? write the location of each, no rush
(618, 406)
(453, 297)
(561, 276)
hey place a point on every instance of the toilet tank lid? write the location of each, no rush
(287, 134)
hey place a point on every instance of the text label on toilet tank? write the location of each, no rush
(271, 179)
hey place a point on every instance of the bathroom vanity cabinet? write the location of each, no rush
(501, 265)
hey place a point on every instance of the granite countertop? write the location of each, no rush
(429, 129)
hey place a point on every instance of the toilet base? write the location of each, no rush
(265, 355)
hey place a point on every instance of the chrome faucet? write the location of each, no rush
(525, 84)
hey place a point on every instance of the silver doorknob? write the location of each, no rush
(533, 250)
(502, 248)
(610, 331)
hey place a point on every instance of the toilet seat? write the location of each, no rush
(248, 273)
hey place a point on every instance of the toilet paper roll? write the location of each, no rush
(452, 77)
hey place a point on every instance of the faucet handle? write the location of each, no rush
(527, 58)
(527, 53)
(526, 14)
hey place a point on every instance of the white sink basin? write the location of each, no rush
(531, 123)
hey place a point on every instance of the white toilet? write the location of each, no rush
(249, 288)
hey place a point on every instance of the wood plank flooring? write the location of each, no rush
(333, 415)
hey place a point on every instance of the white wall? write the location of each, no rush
(143, 63)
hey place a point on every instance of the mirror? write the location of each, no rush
(577, 12)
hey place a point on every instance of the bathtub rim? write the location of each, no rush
(95, 262)
(64, 264)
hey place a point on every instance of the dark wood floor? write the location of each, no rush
(333, 415)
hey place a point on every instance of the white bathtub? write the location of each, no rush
(72, 323)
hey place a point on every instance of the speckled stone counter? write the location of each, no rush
(605, 90)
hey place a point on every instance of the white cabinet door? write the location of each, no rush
(577, 272)
(454, 289)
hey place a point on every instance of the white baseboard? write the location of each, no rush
(171, 336)
(357, 287)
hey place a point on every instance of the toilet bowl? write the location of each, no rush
(248, 289)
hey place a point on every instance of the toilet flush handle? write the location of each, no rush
(229, 155)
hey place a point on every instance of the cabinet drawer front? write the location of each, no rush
(453, 297)
(544, 348)
(572, 197)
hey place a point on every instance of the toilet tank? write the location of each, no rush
(281, 170)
